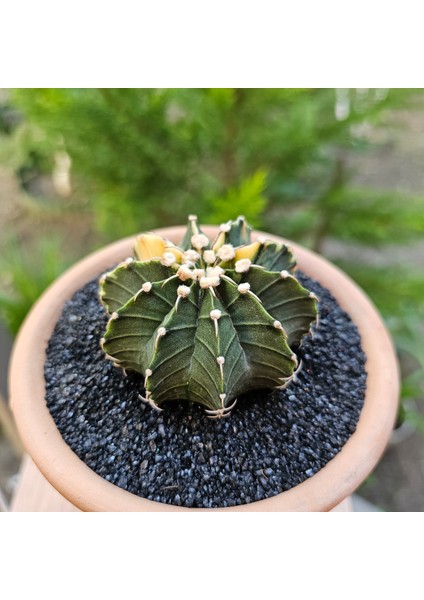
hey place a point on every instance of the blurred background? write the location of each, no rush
(337, 170)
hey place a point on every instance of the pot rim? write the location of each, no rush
(89, 491)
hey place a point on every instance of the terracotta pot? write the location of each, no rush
(88, 491)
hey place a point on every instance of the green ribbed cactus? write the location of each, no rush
(208, 320)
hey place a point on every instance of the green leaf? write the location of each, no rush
(239, 233)
(117, 287)
(169, 357)
(269, 357)
(275, 257)
(210, 343)
(184, 362)
(127, 336)
(286, 300)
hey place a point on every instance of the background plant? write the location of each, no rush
(26, 273)
(284, 158)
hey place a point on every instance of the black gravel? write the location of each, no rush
(270, 443)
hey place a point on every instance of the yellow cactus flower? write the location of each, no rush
(220, 240)
(250, 251)
(179, 254)
(149, 246)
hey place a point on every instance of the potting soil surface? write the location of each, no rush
(271, 442)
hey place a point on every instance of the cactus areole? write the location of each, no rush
(207, 320)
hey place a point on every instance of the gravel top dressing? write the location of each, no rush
(271, 442)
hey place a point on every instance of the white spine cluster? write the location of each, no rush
(214, 271)
(244, 288)
(184, 273)
(226, 252)
(211, 278)
(209, 256)
(198, 273)
(191, 256)
(160, 333)
(243, 265)
(183, 291)
(209, 282)
(147, 374)
(168, 259)
(199, 241)
(221, 360)
(215, 315)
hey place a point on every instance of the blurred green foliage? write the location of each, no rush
(143, 158)
(398, 294)
(247, 199)
(147, 158)
(26, 273)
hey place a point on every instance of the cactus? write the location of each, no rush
(208, 320)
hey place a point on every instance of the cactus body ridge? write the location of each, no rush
(208, 320)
